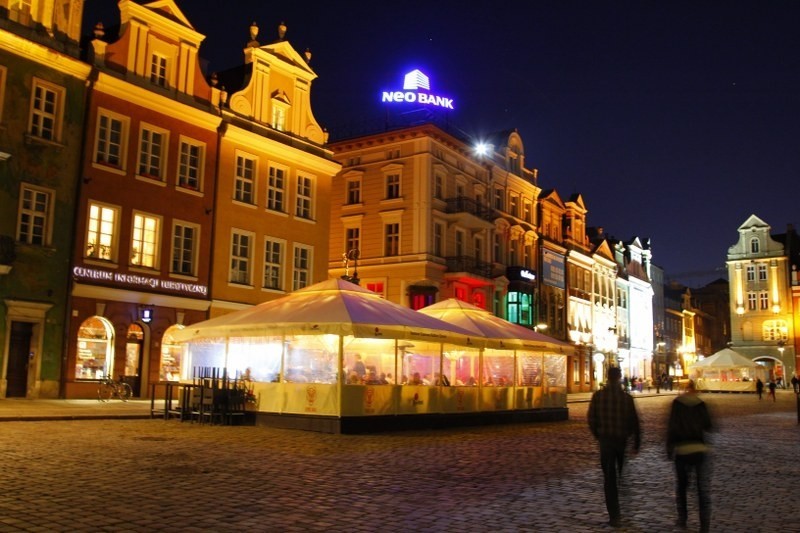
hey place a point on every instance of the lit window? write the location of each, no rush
(275, 189)
(377, 287)
(184, 248)
(190, 165)
(763, 298)
(145, 240)
(352, 239)
(354, 191)
(152, 146)
(241, 253)
(392, 186)
(775, 330)
(101, 233)
(301, 273)
(244, 183)
(34, 216)
(158, 70)
(45, 118)
(273, 259)
(751, 301)
(110, 142)
(304, 193)
(391, 239)
(278, 116)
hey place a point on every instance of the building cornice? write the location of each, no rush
(47, 57)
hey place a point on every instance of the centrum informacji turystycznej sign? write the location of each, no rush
(415, 90)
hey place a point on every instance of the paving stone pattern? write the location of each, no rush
(156, 475)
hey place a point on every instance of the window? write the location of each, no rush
(190, 164)
(460, 250)
(438, 239)
(392, 186)
(275, 189)
(244, 181)
(528, 212)
(377, 287)
(763, 299)
(775, 330)
(391, 239)
(2, 89)
(352, 239)
(273, 259)
(145, 240)
(498, 199)
(754, 246)
(158, 70)
(514, 203)
(110, 142)
(101, 232)
(354, 191)
(184, 248)
(278, 116)
(438, 187)
(20, 11)
(241, 253)
(498, 248)
(152, 153)
(520, 308)
(751, 273)
(751, 301)
(304, 193)
(35, 212)
(45, 117)
(762, 272)
(301, 273)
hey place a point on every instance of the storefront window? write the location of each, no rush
(311, 359)
(420, 362)
(555, 370)
(95, 354)
(133, 349)
(461, 366)
(369, 362)
(170, 366)
(498, 368)
(530, 369)
(519, 308)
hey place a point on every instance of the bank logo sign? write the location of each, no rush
(416, 87)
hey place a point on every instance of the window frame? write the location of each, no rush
(277, 177)
(353, 191)
(46, 215)
(161, 156)
(113, 245)
(195, 247)
(391, 238)
(139, 236)
(392, 186)
(272, 265)
(246, 260)
(158, 72)
(298, 271)
(241, 180)
(103, 162)
(183, 178)
(56, 115)
(304, 196)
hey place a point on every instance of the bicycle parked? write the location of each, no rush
(109, 388)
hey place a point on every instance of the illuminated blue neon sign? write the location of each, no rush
(414, 84)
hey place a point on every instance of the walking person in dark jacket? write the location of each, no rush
(613, 420)
(689, 421)
(759, 387)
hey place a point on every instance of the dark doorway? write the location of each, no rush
(19, 354)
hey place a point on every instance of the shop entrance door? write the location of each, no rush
(19, 355)
(133, 358)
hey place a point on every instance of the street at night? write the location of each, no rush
(137, 475)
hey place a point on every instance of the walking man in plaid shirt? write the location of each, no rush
(613, 420)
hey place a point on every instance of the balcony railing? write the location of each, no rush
(462, 204)
(470, 265)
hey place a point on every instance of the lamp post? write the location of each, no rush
(352, 255)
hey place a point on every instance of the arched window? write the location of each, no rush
(754, 245)
(169, 368)
(95, 355)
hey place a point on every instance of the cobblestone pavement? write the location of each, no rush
(143, 475)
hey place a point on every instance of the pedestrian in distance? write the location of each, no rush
(687, 428)
(795, 384)
(759, 387)
(613, 420)
(772, 386)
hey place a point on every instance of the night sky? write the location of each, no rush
(675, 120)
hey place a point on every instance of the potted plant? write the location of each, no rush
(7, 253)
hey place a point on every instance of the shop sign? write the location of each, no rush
(138, 280)
(553, 269)
(414, 86)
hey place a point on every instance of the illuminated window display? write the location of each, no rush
(171, 355)
(95, 355)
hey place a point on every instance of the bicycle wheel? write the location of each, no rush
(105, 392)
(124, 391)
